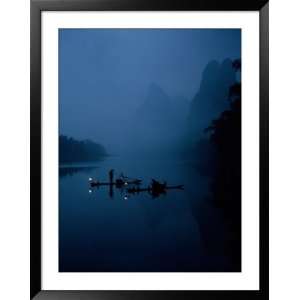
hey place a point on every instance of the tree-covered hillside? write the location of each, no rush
(71, 150)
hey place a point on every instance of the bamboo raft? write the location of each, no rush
(161, 189)
(118, 182)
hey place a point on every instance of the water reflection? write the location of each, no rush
(123, 183)
(186, 232)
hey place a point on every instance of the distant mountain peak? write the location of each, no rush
(155, 92)
(212, 96)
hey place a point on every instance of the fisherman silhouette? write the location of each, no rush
(111, 176)
(156, 186)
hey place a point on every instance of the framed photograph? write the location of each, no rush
(149, 149)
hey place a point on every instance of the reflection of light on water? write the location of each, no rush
(90, 179)
(126, 183)
(90, 191)
(125, 198)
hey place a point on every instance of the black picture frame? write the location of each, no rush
(37, 6)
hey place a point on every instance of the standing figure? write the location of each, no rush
(111, 176)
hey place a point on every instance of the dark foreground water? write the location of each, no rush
(110, 231)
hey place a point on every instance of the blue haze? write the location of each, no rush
(135, 91)
(105, 74)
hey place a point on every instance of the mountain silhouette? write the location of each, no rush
(157, 116)
(71, 150)
(156, 107)
(212, 97)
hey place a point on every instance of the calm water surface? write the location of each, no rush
(181, 231)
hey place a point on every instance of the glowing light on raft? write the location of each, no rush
(126, 183)
(125, 198)
(90, 179)
(90, 191)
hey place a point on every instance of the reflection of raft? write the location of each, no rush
(118, 182)
(159, 189)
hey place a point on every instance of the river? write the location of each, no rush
(103, 230)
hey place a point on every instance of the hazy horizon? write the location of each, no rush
(105, 74)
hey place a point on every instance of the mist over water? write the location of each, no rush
(178, 231)
(114, 83)
(145, 96)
